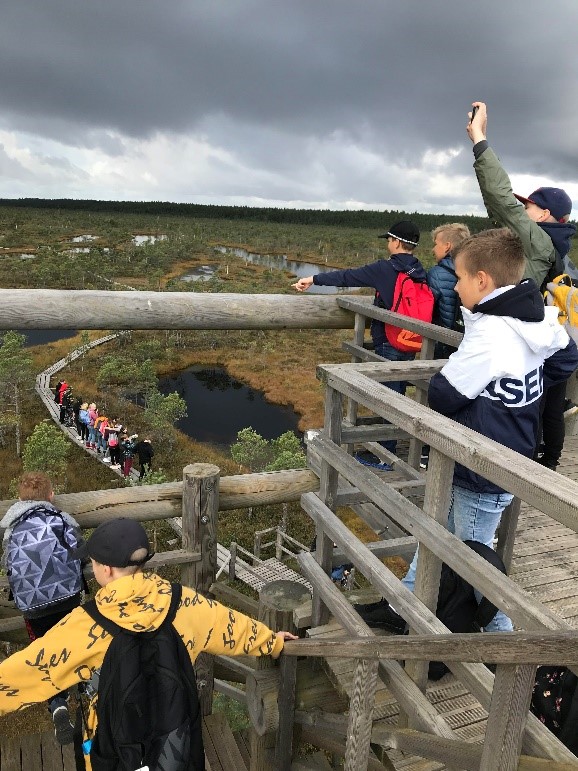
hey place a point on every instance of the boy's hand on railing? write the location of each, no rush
(303, 284)
(287, 636)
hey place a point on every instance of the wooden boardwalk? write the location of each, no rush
(40, 752)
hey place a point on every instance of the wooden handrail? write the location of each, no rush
(497, 648)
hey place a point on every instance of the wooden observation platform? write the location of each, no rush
(361, 698)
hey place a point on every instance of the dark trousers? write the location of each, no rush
(552, 430)
(389, 352)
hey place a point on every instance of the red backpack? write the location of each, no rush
(414, 299)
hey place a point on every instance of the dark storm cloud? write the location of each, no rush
(263, 77)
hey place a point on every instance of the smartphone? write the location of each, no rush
(474, 111)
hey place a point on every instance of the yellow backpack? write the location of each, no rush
(562, 292)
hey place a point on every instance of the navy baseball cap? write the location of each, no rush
(405, 231)
(113, 542)
(556, 200)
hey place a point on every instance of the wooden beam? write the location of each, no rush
(88, 309)
(160, 501)
(431, 331)
(536, 648)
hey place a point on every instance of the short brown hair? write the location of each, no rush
(499, 253)
(454, 232)
(34, 486)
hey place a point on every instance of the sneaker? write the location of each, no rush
(424, 460)
(63, 728)
(380, 615)
(115, 465)
(369, 459)
(106, 460)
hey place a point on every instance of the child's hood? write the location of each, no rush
(560, 233)
(405, 262)
(138, 603)
(522, 308)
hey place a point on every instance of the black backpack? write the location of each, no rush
(148, 708)
(458, 607)
(555, 703)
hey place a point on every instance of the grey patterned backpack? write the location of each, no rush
(41, 568)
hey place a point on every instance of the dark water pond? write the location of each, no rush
(43, 336)
(276, 261)
(219, 407)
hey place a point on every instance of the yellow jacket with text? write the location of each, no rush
(71, 651)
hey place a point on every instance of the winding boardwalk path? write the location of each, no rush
(42, 388)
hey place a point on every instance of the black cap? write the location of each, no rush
(113, 542)
(405, 231)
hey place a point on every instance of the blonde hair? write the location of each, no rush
(453, 232)
(498, 252)
(34, 486)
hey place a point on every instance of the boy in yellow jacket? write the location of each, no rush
(135, 600)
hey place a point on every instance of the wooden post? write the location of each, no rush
(507, 717)
(358, 337)
(328, 494)
(359, 723)
(507, 532)
(415, 445)
(277, 601)
(436, 505)
(257, 547)
(232, 560)
(286, 704)
(200, 508)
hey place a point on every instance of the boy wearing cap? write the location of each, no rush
(138, 601)
(402, 240)
(543, 226)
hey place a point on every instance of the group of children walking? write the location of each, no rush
(107, 437)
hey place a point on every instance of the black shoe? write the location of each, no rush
(63, 728)
(550, 463)
(380, 616)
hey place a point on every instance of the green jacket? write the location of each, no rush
(538, 240)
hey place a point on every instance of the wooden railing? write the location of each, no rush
(506, 698)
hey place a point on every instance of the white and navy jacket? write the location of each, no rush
(512, 349)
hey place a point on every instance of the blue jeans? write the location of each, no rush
(389, 352)
(473, 517)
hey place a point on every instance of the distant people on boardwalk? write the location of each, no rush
(145, 452)
(136, 601)
(127, 452)
(402, 240)
(92, 418)
(512, 348)
(542, 224)
(83, 421)
(45, 580)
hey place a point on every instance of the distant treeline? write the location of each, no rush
(346, 218)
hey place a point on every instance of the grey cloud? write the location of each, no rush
(267, 79)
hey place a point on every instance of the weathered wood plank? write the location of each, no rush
(499, 647)
(86, 309)
(507, 717)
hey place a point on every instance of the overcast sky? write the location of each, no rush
(306, 103)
